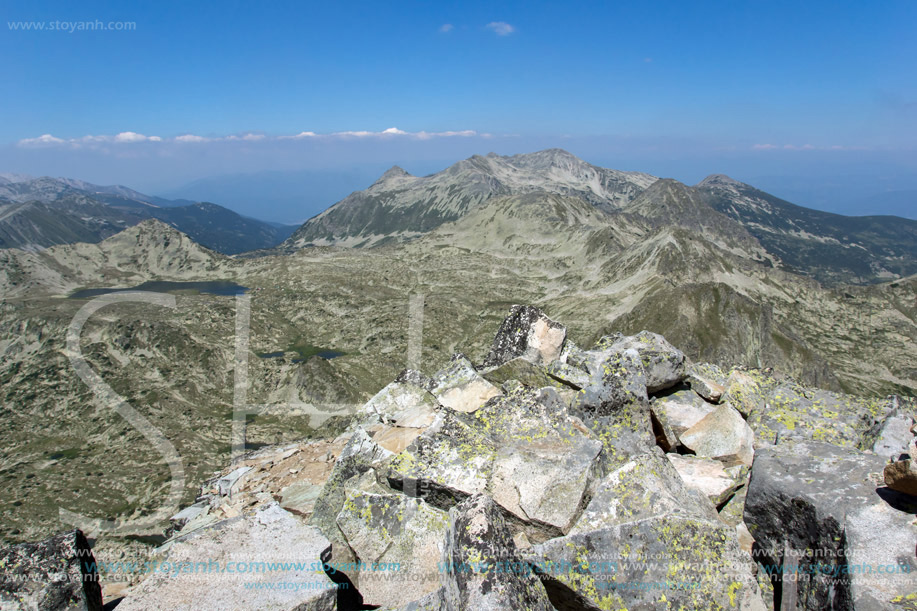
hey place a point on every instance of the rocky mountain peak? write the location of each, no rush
(403, 207)
(152, 228)
(666, 197)
(395, 172)
(392, 177)
(548, 158)
(719, 180)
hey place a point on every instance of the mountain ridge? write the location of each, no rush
(399, 207)
(416, 205)
(36, 213)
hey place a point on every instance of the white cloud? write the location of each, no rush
(134, 137)
(43, 140)
(298, 136)
(764, 147)
(446, 28)
(191, 138)
(500, 28)
(385, 133)
(461, 134)
(249, 137)
(121, 138)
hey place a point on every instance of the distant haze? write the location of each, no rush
(293, 196)
(289, 197)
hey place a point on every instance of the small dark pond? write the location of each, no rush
(225, 288)
(305, 352)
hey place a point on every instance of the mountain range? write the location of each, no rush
(726, 272)
(829, 247)
(37, 213)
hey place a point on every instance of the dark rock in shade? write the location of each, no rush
(528, 333)
(820, 508)
(56, 574)
(483, 570)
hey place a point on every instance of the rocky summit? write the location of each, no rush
(622, 475)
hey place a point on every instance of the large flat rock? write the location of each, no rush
(459, 387)
(266, 561)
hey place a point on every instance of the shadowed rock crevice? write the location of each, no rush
(348, 597)
(562, 596)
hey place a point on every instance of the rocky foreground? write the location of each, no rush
(548, 477)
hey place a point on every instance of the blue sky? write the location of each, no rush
(767, 90)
